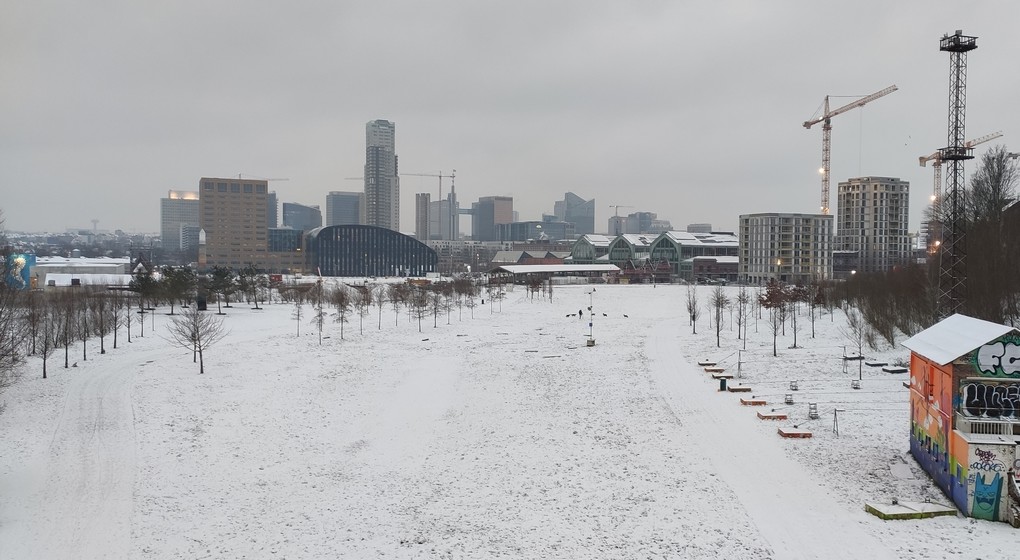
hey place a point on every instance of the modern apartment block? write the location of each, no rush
(489, 212)
(232, 212)
(577, 210)
(178, 218)
(382, 184)
(792, 248)
(345, 208)
(873, 221)
(301, 217)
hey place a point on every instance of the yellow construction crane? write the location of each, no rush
(827, 134)
(936, 159)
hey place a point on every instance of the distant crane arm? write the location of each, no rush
(853, 105)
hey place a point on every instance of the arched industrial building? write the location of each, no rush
(357, 250)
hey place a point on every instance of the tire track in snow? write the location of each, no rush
(84, 504)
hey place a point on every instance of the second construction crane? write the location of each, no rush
(936, 159)
(825, 118)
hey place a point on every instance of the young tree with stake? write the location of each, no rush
(196, 331)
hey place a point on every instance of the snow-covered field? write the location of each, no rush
(501, 435)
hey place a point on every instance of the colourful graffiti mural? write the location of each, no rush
(989, 465)
(19, 269)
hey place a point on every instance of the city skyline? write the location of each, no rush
(692, 112)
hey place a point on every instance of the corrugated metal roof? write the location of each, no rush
(953, 337)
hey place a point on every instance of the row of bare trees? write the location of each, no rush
(342, 302)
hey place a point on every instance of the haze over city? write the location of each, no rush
(692, 111)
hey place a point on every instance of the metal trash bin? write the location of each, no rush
(722, 383)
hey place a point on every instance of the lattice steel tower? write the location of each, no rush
(953, 252)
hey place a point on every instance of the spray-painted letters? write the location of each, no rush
(999, 358)
(993, 400)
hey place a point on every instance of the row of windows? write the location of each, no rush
(234, 187)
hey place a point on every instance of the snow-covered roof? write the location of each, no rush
(597, 240)
(731, 259)
(688, 238)
(507, 256)
(64, 262)
(540, 268)
(638, 240)
(63, 279)
(953, 337)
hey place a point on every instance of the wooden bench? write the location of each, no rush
(715, 369)
(753, 402)
(794, 433)
(772, 415)
(706, 363)
(722, 376)
(738, 389)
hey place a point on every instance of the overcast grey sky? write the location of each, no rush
(693, 110)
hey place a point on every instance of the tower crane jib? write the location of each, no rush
(826, 119)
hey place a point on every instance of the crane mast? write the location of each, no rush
(826, 120)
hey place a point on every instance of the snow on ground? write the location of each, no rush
(498, 435)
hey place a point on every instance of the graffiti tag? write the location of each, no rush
(992, 400)
(999, 358)
(987, 461)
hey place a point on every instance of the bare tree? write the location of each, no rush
(340, 297)
(858, 332)
(693, 309)
(361, 299)
(379, 297)
(774, 299)
(719, 302)
(51, 329)
(102, 312)
(319, 314)
(743, 313)
(298, 313)
(418, 304)
(398, 296)
(12, 334)
(196, 331)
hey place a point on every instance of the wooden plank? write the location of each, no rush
(772, 415)
(722, 376)
(739, 389)
(794, 433)
(753, 402)
(715, 369)
(706, 363)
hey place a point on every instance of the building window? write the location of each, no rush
(247, 188)
(221, 187)
(260, 189)
(235, 188)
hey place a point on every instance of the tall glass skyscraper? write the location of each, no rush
(382, 185)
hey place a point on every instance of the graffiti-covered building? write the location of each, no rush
(965, 413)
